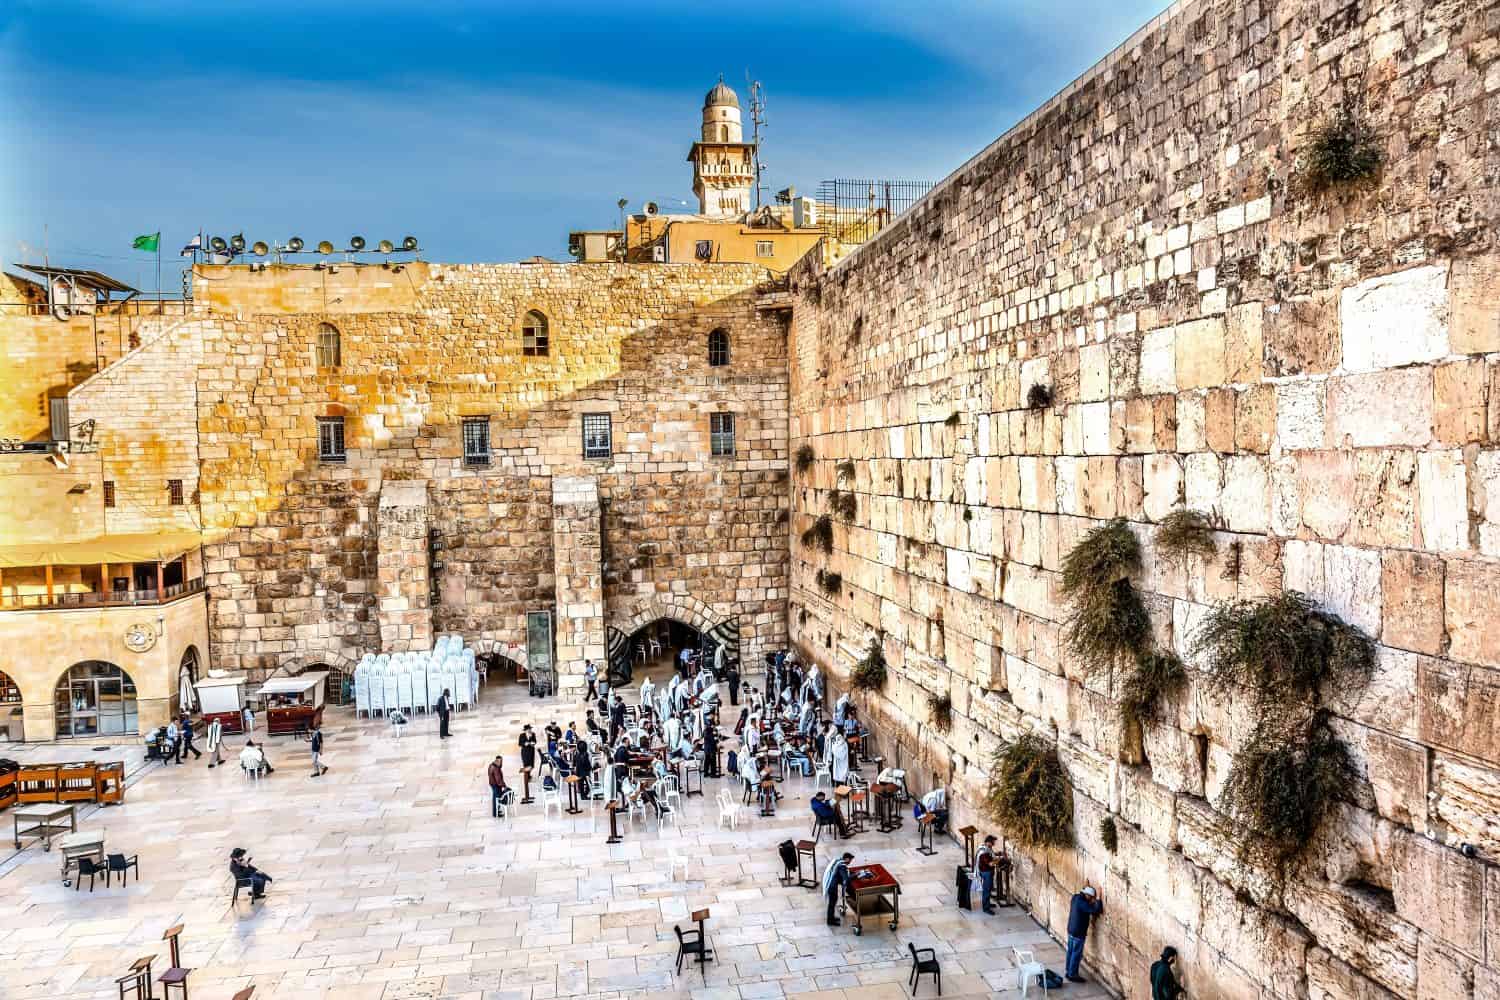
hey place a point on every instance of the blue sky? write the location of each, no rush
(488, 130)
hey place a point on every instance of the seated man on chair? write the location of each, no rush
(828, 812)
(253, 759)
(243, 871)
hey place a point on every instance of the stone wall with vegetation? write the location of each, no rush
(293, 561)
(1246, 267)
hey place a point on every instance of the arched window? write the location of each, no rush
(718, 348)
(723, 133)
(95, 698)
(329, 350)
(187, 677)
(534, 335)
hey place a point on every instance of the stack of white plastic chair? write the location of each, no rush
(405, 692)
(390, 688)
(362, 684)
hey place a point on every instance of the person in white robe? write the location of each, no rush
(646, 690)
(673, 731)
(841, 709)
(838, 758)
(807, 720)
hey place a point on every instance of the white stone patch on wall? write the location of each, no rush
(1159, 362)
(1487, 469)
(1163, 483)
(1395, 319)
(1299, 415)
(1204, 476)
(1191, 423)
(1094, 418)
(1246, 500)
(1381, 409)
(1443, 500)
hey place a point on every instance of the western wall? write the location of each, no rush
(1312, 370)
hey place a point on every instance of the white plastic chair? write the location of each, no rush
(654, 647)
(551, 797)
(729, 808)
(1028, 967)
(822, 769)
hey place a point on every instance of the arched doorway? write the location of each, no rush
(714, 630)
(95, 698)
(10, 708)
(187, 676)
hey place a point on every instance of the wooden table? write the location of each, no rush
(44, 820)
(874, 893)
(83, 844)
(886, 811)
(572, 782)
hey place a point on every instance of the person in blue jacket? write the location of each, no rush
(1086, 906)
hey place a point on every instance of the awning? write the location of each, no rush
(142, 548)
(299, 684)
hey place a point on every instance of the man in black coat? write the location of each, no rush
(444, 709)
(616, 718)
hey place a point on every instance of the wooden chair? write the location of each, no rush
(138, 980)
(921, 966)
(175, 976)
(122, 864)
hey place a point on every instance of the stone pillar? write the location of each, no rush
(403, 601)
(576, 547)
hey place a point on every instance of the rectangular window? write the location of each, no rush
(174, 492)
(58, 414)
(331, 439)
(765, 248)
(476, 440)
(597, 441)
(704, 250)
(721, 433)
(109, 494)
(329, 349)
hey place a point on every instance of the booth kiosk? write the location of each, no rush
(294, 704)
(222, 696)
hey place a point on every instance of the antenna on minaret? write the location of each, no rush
(757, 120)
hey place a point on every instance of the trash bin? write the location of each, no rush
(961, 887)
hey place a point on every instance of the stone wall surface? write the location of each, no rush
(292, 561)
(1316, 370)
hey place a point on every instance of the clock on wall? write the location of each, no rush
(140, 637)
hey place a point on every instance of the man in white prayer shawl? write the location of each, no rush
(816, 679)
(646, 688)
(673, 731)
(700, 682)
(752, 735)
(838, 759)
(709, 695)
(841, 709)
(807, 720)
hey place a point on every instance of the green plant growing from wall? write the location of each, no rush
(1109, 834)
(1281, 788)
(1038, 397)
(1283, 648)
(805, 456)
(1029, 793)
(1341, 150)
(830, 583)
(1185, 533)
(844, 503)
(953, 419)
(845, 469)
(869, 673)
(1109, 623)
(820, 535)
(940, 712)
(1156, 676)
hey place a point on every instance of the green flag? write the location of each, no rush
(147, 243)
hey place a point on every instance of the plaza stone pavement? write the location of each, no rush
(393, 882)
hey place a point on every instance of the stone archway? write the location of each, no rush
(683, 608)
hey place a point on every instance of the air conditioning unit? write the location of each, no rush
(659, 253)
(804, 213)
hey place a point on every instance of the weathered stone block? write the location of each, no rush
(1395, 319)
(1381, 409)
(1411, 586)
(1457, 705)
(1471, 594)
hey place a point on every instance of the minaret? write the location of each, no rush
(723, 163)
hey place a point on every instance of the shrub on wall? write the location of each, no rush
(830, 583)
(1029, 793)
(940, 712)
(820, 535)
(1038, 397)
(953, 419)
(1157, 675)
(869, 673)
(1109, 625)
(1281, 788)
(1109, 834)
(844, 503)
(1283, 648)
(1341, 150)
(1185, 533)
(805, 457)
(845, 469)
(1105, 554)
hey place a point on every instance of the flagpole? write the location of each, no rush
(158, 273)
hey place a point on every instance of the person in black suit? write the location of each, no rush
(583, 766)
(241, 868)
(616, 718)
(444, 709)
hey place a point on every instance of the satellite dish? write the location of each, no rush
(386, 246)
(325, 247)
(356, 243)
(237, 243)
(295, 244)
(260, 249)
(652, 208)
(218, 244)
(409, 244)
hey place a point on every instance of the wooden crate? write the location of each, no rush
(110, 782)
(76, 782)
(37, 783)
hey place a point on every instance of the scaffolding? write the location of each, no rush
(853, 211)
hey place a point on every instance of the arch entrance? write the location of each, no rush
(694, 621)
(95, 698)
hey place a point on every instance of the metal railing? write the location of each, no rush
(126, 307)
(100, 598)
(853, 211)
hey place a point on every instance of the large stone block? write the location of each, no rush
(1360, 928)
(1466, 800)
(1411, 587)
(1381, 409)
(1395, 319)
(1457, 705)
(1471, 596)
(1443, 500)
(1475, 287)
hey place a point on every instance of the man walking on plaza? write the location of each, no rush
(186, 745)
(1086, 906)
(316, 739)
(444, 709)
(591, 676)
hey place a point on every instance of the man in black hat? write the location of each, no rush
(243, 870)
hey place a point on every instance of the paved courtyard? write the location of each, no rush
(393, 882)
